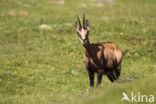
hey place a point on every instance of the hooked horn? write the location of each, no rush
(79, 21)
(83, 20)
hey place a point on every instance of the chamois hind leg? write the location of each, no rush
(99, 79)
(117, 71)
(111, 76)
(91, 78)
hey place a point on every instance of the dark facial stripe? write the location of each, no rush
(85, 38)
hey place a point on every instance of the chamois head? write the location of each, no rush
(82, 32)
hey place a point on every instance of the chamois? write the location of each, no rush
(101, 58)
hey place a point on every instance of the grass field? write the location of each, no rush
(41, 57)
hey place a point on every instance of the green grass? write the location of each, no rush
(45, 66)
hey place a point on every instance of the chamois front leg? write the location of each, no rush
(99, 79)
(91, 78)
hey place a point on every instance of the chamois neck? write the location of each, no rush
(87, 47)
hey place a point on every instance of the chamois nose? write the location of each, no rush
(84, 41)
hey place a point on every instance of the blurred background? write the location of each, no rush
(41, 57)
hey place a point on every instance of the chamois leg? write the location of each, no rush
(111, 76)
(117, 71)
(99, 79)
(91, 78)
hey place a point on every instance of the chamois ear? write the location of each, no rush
(87, 24)
(76, 26)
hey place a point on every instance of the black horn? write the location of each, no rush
(79, 21)
(84, 21)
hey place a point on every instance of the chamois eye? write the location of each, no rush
(79, 35)
(86, 36)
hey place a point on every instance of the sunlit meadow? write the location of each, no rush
(41, 57)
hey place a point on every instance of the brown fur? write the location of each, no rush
(101, 58)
